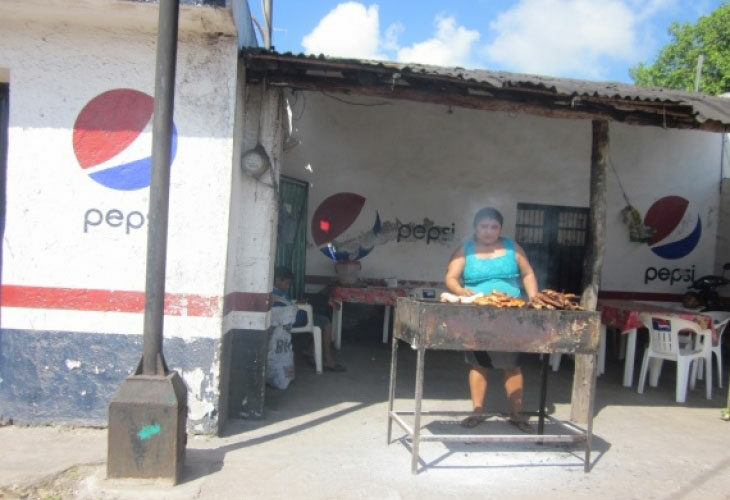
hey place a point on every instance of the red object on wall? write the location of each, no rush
(664, 215)
(334, 215)
(95, 140)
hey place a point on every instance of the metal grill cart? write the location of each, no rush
(434, 325)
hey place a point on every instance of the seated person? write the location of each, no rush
(282, 282)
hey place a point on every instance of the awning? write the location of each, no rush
(492, 90)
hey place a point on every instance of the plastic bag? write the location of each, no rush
(283, 315)
(280, 359)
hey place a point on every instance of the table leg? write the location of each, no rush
(602, 350)
(415, 438)
(630, 354)
(543, 393)
(386, 324)
(337, 324)
(391, 388)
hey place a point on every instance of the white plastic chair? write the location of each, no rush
(316, 334)
(664, 344)
(720, 320)
(555, 357)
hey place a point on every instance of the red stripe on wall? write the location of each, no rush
(85, 299)
(246, 301)
(180, 304)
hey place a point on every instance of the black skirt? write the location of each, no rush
(493, 359)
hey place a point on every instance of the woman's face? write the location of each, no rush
(487, 231)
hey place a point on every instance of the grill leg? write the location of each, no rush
(417, 417)
(386, 324)
(391, 388)
(589, 424)
(543, 392)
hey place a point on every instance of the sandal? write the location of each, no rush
(473, 420)
(521, 424)
(334, 368)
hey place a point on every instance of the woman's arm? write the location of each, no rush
(454, 271)
(529, 281)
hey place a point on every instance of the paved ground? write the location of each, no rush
(325, 438)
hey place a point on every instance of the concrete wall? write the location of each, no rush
(251, 249)
(722, 252)
(435, 166)
(75, 237)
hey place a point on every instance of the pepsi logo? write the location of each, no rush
(678, 227)
(112, 139)
(344, 227)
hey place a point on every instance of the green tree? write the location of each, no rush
(676, 65)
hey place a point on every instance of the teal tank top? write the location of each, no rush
(486, 275)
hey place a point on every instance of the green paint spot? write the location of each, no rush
(148, 431)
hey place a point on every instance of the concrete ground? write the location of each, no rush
(325, 438)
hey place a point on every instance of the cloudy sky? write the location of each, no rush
(590, 39)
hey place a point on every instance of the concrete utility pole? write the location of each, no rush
(147, 415)
(698, 74)
(268, 19)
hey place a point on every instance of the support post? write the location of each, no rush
(584, 378)
(147, 415)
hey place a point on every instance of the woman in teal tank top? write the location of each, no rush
(490, 262)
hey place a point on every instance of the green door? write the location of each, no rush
(291, 242)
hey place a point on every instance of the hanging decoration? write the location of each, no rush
(638, 231)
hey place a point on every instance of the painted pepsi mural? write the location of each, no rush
(109, 139)
(346, 227)
(678, 227)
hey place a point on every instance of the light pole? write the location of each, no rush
(147, 415)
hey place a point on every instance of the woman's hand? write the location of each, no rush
(529, 281)
(452, 280)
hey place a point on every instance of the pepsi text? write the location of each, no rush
(114, 218)
(672, 275)
(412, 231)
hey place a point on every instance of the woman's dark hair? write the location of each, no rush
(488, 213)
(283, 273)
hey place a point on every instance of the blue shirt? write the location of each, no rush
(282, 298)
(501, 274)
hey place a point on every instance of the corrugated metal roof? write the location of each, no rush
(706, 107)
(697, 106)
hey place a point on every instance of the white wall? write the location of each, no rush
(412, 161)
(55, 69)
(254, 210)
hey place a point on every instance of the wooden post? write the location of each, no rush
(584, 379)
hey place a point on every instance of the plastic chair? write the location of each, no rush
(555, 357)
(664, 344)
(720, 320)
(316, 334)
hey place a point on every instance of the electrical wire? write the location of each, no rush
(370, 104)
(618, 179)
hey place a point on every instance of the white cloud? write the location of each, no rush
(352, 30)
(391, 36)
(451, 46)
(348, 30)
(567, 37)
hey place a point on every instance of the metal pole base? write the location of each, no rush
(147, 418)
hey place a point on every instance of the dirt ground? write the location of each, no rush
(325, 438)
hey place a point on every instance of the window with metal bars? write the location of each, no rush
(554, 239)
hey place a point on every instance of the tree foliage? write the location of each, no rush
(676, 64)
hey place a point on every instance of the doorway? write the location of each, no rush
(291, 241)
(554, 239)
(4, 117)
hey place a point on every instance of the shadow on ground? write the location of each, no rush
(314, 400)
